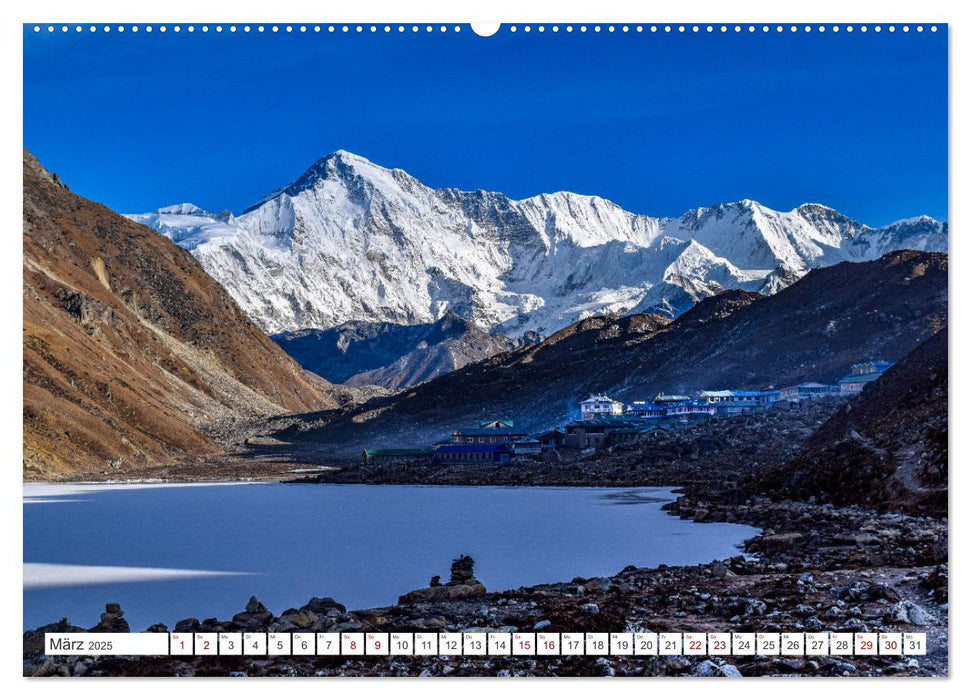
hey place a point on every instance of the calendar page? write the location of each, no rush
(537, 349)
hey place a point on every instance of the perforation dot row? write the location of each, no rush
(232, 28)
(414, 28)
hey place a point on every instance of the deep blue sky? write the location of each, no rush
(658, 123)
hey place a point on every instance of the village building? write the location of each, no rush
(685, 411)
(600, 405)
(551, 439)
(645, 409)
(401, 455)
(526, 446)
(862, 374)
(763, 398)
(807, 391)
(599, 432)
(495, 432)
(713, 397)
(669, 399)
(733, 402)
(473, 454)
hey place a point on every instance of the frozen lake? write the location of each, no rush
(170, 551)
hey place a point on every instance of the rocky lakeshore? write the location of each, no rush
(814, 568)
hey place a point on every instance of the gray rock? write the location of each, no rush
(706, 669)
(255, 606)
(189, 624)
(917, 615)
(324, 606)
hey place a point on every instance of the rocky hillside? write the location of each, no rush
(811, 331)
(390, 355)
(350, 240)
(130, 348)
(887, 448)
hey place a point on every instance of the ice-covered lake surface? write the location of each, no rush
(171, 551)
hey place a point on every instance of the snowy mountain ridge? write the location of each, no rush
(353, 241)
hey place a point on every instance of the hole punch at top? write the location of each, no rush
(485, 28)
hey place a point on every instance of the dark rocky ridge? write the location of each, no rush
(390, 355)
(130, 348)
(811, 331)
(887, 448)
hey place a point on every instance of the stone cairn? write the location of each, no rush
(461, 584)
(112, 620)
(463, 573)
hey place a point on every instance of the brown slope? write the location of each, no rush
(129, 346)
(887, 448)
(813, 330)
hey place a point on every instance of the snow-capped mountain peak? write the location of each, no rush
(350, 240)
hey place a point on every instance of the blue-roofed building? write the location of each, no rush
(734, 401)
(807, 390)
(862, 374)
(473, 454)
(645, 409)
(685, 411)
(763, 398)
(526, 446)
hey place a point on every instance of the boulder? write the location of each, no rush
(438, 593)
(189, 624)
(773, 544)
(324, 606)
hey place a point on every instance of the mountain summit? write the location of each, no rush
(353, 241)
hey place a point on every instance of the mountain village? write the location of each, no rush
(605, 422)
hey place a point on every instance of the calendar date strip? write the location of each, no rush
(351, 644)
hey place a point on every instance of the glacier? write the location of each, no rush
(354, 241)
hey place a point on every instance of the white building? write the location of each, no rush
(600, 405)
